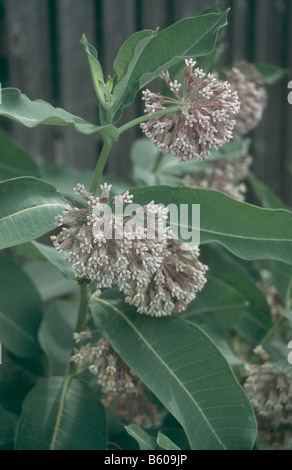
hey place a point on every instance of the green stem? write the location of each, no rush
(139, 120)
(84, 298)
(100, 165)
(271, 333)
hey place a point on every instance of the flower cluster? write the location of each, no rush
(158, 275)
(135, 409)
(222, 175)
(200, 119)
(106, 246)
(173, 286)
(113, 375)
(270, 393)
(120, 386)
(246, 80)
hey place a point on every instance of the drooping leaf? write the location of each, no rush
(56, 335)
(28, 209)
(282, 275)
(254, 320)
(7, 426)
(264, 194)
(49, 281)
(59, 414)
(184, 369)
(20, 310)
(155, 53)
(165, 443)
(270, 73)
(14, 161)
(144, 439)
(18, 107)
(250, 232)
(55, 258)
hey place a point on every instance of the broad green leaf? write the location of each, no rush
(28, 209)
(250, 232)
(20, 108)
(14, 161)
(144, 439)
(271, 74)
(49, 281)
(128, 51)
(20, 310)
(264, 194)
(55, 258)
(184, 369)
(61, 415)
(7, 426)
(165, 443)
(282, 275)
(254, 320)
(187, 38)
(13, 390)
(56, 335)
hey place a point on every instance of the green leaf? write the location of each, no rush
(61, 415)
(255, 318)
(28, 210)
(151, 167)
(264, 194)
(250, 232)
(165, 443)
(101, 89)
(49, 281)
(14, 161)
(56, 335)
(271, 74)
(7, 426)
(153, 54)
(145, 440)
(282, 274)
(20, 108)
(55, 258)
(20, 310)
(184, 369)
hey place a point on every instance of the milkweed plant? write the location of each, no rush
(153, 313)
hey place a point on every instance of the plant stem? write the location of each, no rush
(101, 164)
(141, 119)
(84, 298)
(271, 333)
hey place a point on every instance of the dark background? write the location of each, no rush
(41, 54)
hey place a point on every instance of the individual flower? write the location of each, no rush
(270, 393)
(105, 245)
(173, 286)
(204, 120)
(246, 80)
(222, 175)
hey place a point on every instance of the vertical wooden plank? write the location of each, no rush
(268, 136)
(119, 22)
(76, 90)
(287, 111)
(154, 14)
(239, 42)
(27, 26)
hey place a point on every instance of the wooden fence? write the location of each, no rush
(40, 54)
